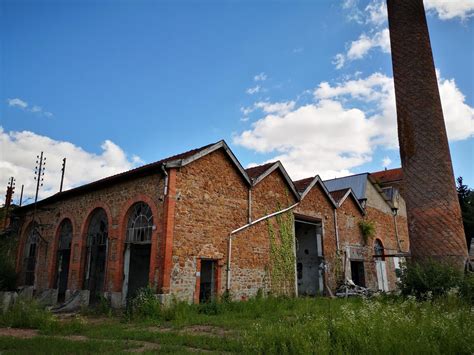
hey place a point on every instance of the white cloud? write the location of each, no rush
(298, 50)
(260, 77)
(386, 161)
(450, 9)
(376, 13)
(276, 107)
(17, 103)
(18, 156)
(343, 127)
(359, 48)
(339, 60)
(253, 90)
(23, 105)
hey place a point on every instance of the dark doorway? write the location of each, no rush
(63, 258)
(136, 266)
(139, 268)
(309, 257)
(207, 289)
(357, 273)
(30, 256)
(96, 255)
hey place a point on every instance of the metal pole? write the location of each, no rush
(21, 194)
(63, 170)
(38, 177)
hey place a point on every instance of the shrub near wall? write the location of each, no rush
(431, 278)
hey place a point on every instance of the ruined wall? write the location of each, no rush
(316, 205)
(116, 200)
(211, 202)
(380, 213)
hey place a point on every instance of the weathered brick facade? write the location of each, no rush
(197, 200)
(434, 214)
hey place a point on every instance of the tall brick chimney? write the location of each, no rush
(434, 215)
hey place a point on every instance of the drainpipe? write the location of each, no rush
(250, 206)
(240, 229)
(336, 227)
(395, 212)
(165, 189)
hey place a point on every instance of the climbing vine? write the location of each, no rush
(282, 258)
(368, 229)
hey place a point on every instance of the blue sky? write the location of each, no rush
(113, 84)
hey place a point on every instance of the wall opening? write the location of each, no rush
(380, 267)
(96, 251)
(63, 256)
(309, 258)
(30, 255)
(137, 250)
(207, 287)
(358, 273)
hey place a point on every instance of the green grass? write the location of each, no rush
(268, 326)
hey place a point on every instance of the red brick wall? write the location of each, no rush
(116, 201)
(317, 205)
(435, 221)
(211, 202)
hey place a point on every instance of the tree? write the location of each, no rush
(466, 200)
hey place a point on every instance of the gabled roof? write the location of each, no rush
(390, 175)
(258, 173)
(255, 171)
(358, 184)
(174, 161)
(305, 185)
(341, 195)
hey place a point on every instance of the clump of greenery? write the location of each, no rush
(432, 279)
(367, 229)
(28, 314)
(282, 258)
(144, 305)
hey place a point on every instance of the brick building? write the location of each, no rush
(197, 224)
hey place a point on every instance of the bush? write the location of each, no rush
(432, 279)
(144, 305)
(28, 314)
(7, 275)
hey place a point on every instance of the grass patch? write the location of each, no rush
(273, 325)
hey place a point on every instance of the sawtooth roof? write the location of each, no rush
(144, 170)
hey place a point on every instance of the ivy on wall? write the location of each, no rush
(282, 258)
(368, 230)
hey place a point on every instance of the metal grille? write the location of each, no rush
(378, 248)
(140, 224)
(98, 229)
(31, 248)
(65, 235)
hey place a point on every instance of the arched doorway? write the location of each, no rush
(137, 249)
(380, 267)
(30, 255)
(63, 256)
(96, 254)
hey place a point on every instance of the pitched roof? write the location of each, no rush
(255, 171)
(305, 185)
(358, 184)
(339, 194)
(302, 184)
(258, 173)
(390, 175)
(170, 162)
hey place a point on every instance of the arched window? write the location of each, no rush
(65, 235)
(63, 256)
(30, 254)
(98, 229)
(378, 249)
(96, 252)
(140, 224)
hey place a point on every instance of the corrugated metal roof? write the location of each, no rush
(358, 184)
